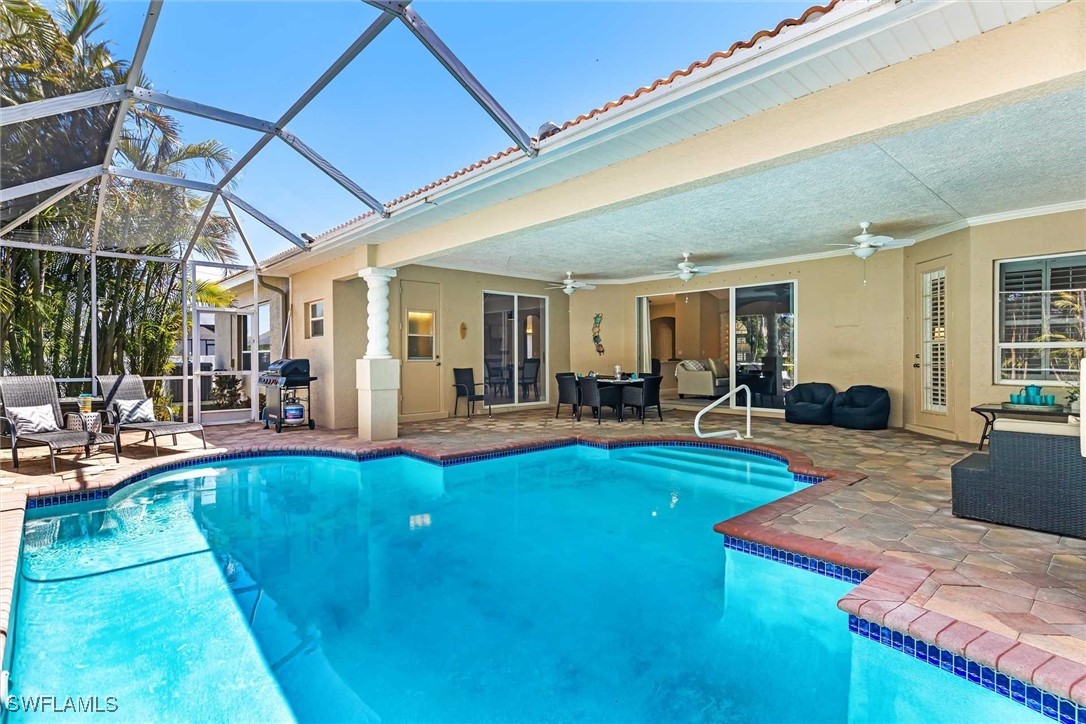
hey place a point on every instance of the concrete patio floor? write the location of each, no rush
(982, 588)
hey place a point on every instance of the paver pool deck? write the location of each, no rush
(1004, 597)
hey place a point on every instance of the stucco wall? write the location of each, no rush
(847, 333)
(1034, 236)
(462, 301)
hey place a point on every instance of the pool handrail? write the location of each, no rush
(722, 400)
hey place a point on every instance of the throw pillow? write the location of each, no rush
(130, 411)
(38, 418)
(694, 365)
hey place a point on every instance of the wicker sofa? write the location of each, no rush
(1033, 477)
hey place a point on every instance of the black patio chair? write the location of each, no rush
(642, 397)
(39, 391)
(569, 392)
(498, 380)
(597, 398)
(810, 403)
(466, 387)
(529, 378)
(862, 407)
(125, 388)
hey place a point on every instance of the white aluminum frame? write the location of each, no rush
(731, 321)
(997, 345)
(124, 96)
(545, 371)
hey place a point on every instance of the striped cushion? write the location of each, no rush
(38, 418)
(130, 411)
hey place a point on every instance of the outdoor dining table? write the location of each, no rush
(614, 381)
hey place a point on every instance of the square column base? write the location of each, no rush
(378, 382)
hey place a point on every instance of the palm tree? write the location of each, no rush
(45, 314)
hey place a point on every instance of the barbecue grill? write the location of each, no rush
(282, 382)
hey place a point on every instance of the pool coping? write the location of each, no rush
(880, 598)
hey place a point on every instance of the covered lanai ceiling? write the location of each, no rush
(1027, 155)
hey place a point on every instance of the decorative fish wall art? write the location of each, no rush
(596, 339)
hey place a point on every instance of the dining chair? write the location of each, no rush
(467, 387)
(569, 392)
(596, 397)
(529, 378)
(642, 397)
(497, 379)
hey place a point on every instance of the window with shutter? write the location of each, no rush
(1041, 322)
(934, 358)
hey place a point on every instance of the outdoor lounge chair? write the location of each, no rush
(41, 391)
(810, 403)
(862, 407)
(130, 387)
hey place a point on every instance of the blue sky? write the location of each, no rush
(395, 120)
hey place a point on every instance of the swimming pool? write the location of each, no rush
(574, 584)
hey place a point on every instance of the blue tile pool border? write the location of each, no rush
(1032, 697)
(85, 496)
(820, 566)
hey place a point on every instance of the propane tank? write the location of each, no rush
(293, 412)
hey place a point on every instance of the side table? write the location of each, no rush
(93, 420)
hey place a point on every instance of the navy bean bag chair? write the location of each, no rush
(862, 407)
(810, 403)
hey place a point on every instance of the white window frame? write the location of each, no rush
(544, 382)
(929, 343)
(998, 347)
(309, 318)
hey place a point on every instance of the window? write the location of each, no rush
(263, 349)
(420, 336)
(1040, 319)
(934, 359)
(315, 315)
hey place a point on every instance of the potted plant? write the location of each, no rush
(1073, 395)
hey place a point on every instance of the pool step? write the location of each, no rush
(717, 458)
(754, 475)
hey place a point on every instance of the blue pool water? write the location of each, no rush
(574, 584)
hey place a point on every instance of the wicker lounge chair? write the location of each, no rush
(131, 387)
(39, 390)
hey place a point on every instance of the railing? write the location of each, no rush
(722, 400)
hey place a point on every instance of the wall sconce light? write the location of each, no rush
(463, 330)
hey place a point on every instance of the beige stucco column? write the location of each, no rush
(378, 374)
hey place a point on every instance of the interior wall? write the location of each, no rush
(847, 333)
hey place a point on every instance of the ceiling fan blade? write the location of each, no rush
(587, 287)
(879, 240)
(849, 245)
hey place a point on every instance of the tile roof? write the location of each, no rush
(809, 15)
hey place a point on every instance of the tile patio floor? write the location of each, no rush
(957, 579)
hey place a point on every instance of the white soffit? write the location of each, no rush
(1026, 155)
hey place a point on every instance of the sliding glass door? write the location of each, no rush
(515, 347)
(765, 342)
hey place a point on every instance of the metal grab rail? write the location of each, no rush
(722, 400)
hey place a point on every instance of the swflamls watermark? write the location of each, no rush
(52, 704)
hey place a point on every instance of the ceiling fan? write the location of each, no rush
(865, 244)
(570, 285)
(687, 270)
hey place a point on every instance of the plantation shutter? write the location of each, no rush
(934, 360)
